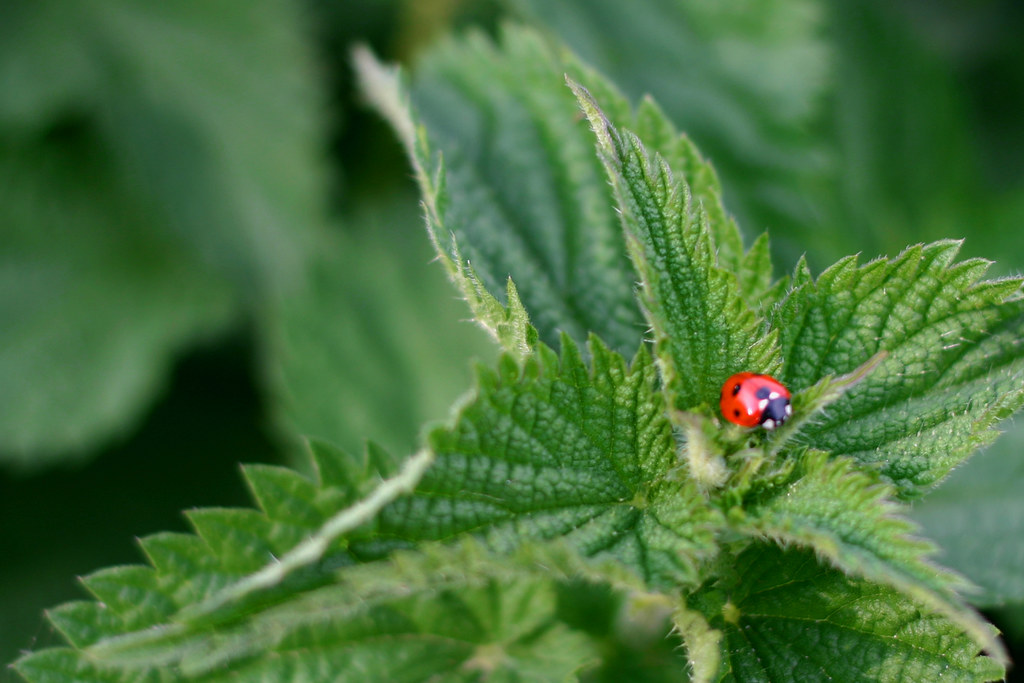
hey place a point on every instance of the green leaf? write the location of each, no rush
(307, 551)
(514, 202)
(784, 617)
(216, 130)
(240, 560)
(157, 169)
(518, 193)
(849, 519)
(555, 449)
(252, 583)
(566, 468)
(703, 330)
(808, 404)
(977, 519)
(754, 268)
(240, 557)
(454, 612)
(954, 364)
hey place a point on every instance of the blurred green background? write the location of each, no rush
(209, 248)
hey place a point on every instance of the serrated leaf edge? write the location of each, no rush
(384, 88)
(830, 549)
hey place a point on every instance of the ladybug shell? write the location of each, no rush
(749, 400)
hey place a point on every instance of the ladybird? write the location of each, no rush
(749, 400)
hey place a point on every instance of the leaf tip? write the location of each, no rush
(599, 123)
(380, 85)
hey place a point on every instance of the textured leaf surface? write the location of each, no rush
(520, 193)
(849, 519)
(157, 168)
(783, 617)
(548, 449)
(660, 136)
(64, 664)
(241, 560)
(554, 449)
(230, 546)
(703, 329)
(955, 363)
(450, 565)
(448, 615)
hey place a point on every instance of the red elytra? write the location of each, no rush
(749, 399)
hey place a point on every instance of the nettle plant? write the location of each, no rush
(587, 513)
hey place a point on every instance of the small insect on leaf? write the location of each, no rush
(749, 399)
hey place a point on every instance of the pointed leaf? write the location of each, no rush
(519, 192)
(703, 330)
(133, 595)
(83, 623)
(955, 363)
(238, 536)
(755, 275)
(306, 553)
(337, 468)
(451, 612)
(850, 520)
(284, 494)
(660, 135)
(187, 566)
